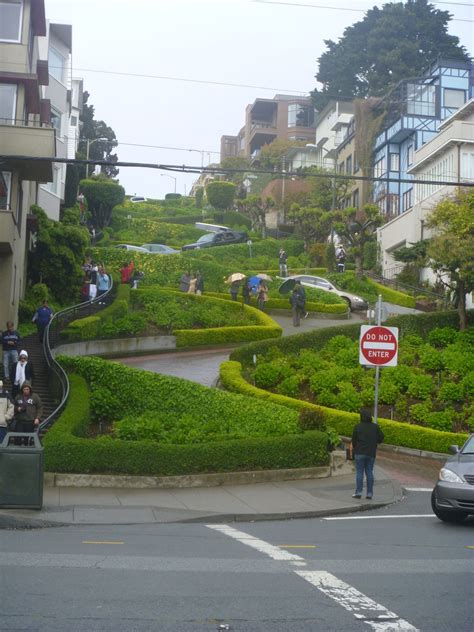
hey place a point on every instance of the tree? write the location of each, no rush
(357, 227)
(57, 256)
(314, 223)
(102, 195)
(256, 209)
(101, 149)
(271, 155)
(221, 195)
(389, 44)
(241, 163)
(452, 247)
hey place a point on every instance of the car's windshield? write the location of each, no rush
(469, 446)
(205, 238)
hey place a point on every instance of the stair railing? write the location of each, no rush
(52, 339)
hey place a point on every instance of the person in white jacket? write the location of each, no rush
(7, 411)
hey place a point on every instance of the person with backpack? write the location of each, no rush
(298, 304)
(42, 317)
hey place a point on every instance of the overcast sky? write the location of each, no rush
(231, 41)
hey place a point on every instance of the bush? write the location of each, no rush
(420, 386)
(440, 420)
(311, 420)
(442, 336)
(220, 195)
(450, 392)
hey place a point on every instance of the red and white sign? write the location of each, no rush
(378, 346)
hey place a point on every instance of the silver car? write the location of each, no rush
(355, 302)
(452, 499)
(160, 249)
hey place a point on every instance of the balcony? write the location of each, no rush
(7, 232)
(33, 142)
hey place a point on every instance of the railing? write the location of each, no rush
(24, 123)
(51, 340)
(414, 290)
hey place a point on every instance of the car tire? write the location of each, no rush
(349, 304)
(446, 515)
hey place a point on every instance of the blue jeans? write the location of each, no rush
(9, 358)
(365, 464)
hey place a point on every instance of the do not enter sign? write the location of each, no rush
(378, 346)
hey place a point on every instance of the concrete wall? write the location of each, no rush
(117, 347)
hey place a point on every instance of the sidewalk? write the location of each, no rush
(260, 501)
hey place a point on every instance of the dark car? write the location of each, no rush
(452, 499)
(221, 238)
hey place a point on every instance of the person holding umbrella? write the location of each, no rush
(234, 280)
(262, 294)
(298, 303)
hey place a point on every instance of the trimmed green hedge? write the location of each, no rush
(396, 433)
(283, 303)
(393, 296)
(132, 390)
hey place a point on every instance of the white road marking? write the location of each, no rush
(264, 547)
(361, 606)
(430, 515)
(418, 489)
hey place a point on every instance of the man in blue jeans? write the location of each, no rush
(365, 439)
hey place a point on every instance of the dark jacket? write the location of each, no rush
(28, 408)
(10, 336)
(366, 437)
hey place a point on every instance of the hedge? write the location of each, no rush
(67, 449)
(393, 296)
(284, 303)
(396, 433)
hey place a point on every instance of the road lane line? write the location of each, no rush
(362, 607)
(260, 545)
(418, 489)
(297, 546)
(101, 542)
(430, 515)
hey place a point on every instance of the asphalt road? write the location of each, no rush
(397, 568)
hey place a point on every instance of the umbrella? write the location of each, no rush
(236, 276)
(264, 277)
(287, 286)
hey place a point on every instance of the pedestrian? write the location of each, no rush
(28, 409)
(365, 439)
(10, 345)
(192, 284)
(184, 281)
(126, 272)
(86, 280)
(42, 317)
(234, 289)
(135, 278)
(7, 410)
(340, 258)
(262, 294)
(282, 262)
(103, 283)
(93, 283)
(199, 283)
(298, 303)
(20, 372)
(246, 292)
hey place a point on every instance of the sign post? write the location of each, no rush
(378, 347)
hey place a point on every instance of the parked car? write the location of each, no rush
(160, 249)
(355, 302)
(134, 248)
(221, 238)
(137, 198)
(452, 499)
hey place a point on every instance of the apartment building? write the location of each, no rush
(416, 109)
(286, 117)
(25, 131)
(448, 157)
(56, 46)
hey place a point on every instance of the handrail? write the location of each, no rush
(48, 345)
(411, 288)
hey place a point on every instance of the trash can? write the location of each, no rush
(21, 472)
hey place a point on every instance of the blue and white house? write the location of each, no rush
(416, 109)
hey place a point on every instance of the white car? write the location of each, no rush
(355, 302)
(137, 198)
(160, 249)
(133, 248)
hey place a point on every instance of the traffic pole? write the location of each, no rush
(377, 368)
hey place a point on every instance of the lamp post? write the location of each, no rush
(89, 143)
(167, 175)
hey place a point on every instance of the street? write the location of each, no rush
(396, 568)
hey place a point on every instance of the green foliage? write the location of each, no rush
(420, 386)
(100, 149)
(198, 197)
(442, 336)
(311, 419)
(442, 420)
(101, 195)
(450, 392)
(221, 195)
(399, 40)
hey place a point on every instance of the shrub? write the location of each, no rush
(267, 375)
(388, 392)
(467, 385)
(440, 420)
(220, 195)
(442, 336)
(430, 358)
(290, 386)
(348, 398)
(420, 412)
(450, 392)
(311, 419)
(420, 386)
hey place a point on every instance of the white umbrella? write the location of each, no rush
(236, 276)
(264, 277)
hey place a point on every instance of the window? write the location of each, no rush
(356, 163)
(454, 98)
(392, 204)
(421, 99)
(10, 20)
(467, 165)
(407, 200)
(341, 167)
(394, 161)
(355, 199)
(410, 155)
(74, 121)
(53, 187)
(379, 167)
(300, 115)
(7, 103)
(349, 165)
(5, 189)
(56, 120)
(57, 65)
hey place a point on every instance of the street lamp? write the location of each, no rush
(89, 143)
(167, 175)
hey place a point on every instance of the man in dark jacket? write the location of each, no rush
(365, 439)
(10, 346)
